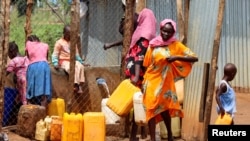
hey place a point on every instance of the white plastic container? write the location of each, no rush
(179, 86)
(42, 133)
(175, 126)
(139, 111)
(47, 121)
(110, 116)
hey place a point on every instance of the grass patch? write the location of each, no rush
(44, 23)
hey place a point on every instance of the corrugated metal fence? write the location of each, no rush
(234, 48)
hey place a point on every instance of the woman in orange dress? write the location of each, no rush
(167, 60)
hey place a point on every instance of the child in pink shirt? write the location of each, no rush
(39, 86)
(18, 64)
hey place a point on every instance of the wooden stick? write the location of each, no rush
(74, 31)
(186, 17)
(211, 83)
(4, 40)
(204, 91)
(180, 20)
(27, 27)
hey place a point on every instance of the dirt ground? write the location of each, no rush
(241, 117)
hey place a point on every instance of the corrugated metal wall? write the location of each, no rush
(201, 31)
(235, 43)
(103, 21)
(163, 9)
(235, 39)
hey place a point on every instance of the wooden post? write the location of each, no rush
(186, 18)
(74, 33)
(79, 45)
(2, 12)
(128, 32)
(204, 91)
(27, 27)
(77, 14)
(211, 83)
(180, 20)
(4, 40)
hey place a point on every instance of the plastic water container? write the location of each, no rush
(56, 128)
(56, 107)
(139, 111)
(121, 100)
(42, 133)
(110, 116)
(72, 127)
(225, 120)
(175, 126)
(94, 126)
(179, 86)
(48, 121)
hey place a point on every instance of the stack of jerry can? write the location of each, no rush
(54, 119)
(72, 127)
(94, 126)
(89, 126)
(121, 100)
(56, 128)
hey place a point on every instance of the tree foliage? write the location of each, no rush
(22, 6)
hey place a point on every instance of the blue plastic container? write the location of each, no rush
(9, 104)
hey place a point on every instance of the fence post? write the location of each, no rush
(180, 20)
(128, 32)
(4, 41)
(186, 18)
(27, 27)
(211, 83)
(74, 35)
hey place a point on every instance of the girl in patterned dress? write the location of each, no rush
(18, 65)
